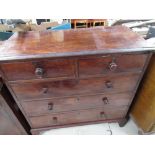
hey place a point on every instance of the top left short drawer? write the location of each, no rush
(29, 70)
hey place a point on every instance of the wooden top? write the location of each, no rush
(86, 41)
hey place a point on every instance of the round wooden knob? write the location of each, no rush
(102, 114)
(108, 84)
(45, 90)
(50, 106)
(113, 66)
(55, 119)
(39, 72)
(105, 100)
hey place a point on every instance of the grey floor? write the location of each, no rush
(97, 129)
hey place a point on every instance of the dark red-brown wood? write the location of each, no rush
(39, 69)
(78, 116)
(100, 40)
(44, 107)
(73, 77)
(43, 90)
(111, 64)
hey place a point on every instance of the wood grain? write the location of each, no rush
(143, 110)
(73, 77)
(99, 40)
(102, 65)
(28, 70)
(47, 89)
(45, 107)
(78, 117)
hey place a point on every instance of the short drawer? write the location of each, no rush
(42, 90)
(77, 117)
(39, 69)
(111, 64)
(44, 107)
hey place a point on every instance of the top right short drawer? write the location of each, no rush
(111, 64)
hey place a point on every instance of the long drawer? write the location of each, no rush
(15, 71)
(93, 66)
(78, 117)
(42, 90)
(44, 107)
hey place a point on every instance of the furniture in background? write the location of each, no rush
(12, 121)
(80, 23)
(143, 110)
(68, 78)
(98, 22)
(84, 23)
(39, 21)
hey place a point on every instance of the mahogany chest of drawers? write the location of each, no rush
(74, 77)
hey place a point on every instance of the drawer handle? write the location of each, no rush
(50, 106)
(105, 100)
(39, 72)
(102, 114)
(113, 66)
(55, 119)
(45, 90)
(108, 84)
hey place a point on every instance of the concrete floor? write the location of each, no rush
(97, 129)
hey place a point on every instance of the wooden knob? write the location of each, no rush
(55, 119)
(45, 90)
(113, 66)
(50, 106)
(39, 72)
(105, 100)
(108, 84)
(102, 114)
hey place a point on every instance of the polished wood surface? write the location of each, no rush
(44, 90)
(111, 64)
(88, 41)
(60, 105)
(143, 111)
(39, 69)
(73, 77)
(77, 116)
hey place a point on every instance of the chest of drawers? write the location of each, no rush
(74, 77)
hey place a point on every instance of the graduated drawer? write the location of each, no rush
(44, 107)
(111, 64)
(78, 117)
(39, 69)
(42, 90)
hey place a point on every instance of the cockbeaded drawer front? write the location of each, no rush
(39, 69)
(45, 107)
(78, 117)
(106, 64)
(50, 89)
